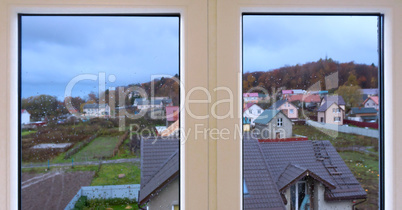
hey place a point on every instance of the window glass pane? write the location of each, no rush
(99, 112)
(320, 75)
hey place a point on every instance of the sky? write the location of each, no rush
(56, 49)
(274, 41)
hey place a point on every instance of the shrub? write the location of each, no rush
(81, 203)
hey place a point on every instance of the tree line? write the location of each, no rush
(304, 76)
(49, 107)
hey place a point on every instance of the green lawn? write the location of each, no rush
(365, 168)
(100, 148)
(124, 152)
(24, 133)
(108, 174)
(337, 139)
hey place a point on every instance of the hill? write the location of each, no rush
(304, 76)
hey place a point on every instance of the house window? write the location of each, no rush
(279, 122)
(96, 61)
(298, 196)
(268, 42)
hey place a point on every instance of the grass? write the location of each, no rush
(108, 174)
(100, 148)
(338, 139)
(124, 152)
(366, 170)
(25, 133)
(64, 168)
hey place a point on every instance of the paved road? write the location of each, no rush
(131, 160)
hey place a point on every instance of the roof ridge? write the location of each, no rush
(162, 165)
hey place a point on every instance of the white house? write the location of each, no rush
(96, 110)
(252, 113)
(371, 101)
(25, 117)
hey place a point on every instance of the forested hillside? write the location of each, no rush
(304, 76)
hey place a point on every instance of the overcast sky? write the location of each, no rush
(272, 42)
(55, 49)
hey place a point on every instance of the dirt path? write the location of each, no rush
(130, 160)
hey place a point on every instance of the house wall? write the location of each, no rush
(289, 106)
(320, 202)
(371, 103)
(273, 128)
(319, 115)
(166, 198)
(252, 113)
(329, 115)
(25, 118)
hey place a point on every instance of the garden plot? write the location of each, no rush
(100, 148)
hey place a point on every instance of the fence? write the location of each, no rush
(361, 124)
(345, 129)
(105, 192)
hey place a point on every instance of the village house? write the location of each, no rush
(143, 103)
(287, 108)
(334, 98)
(305, 100)
(363, 114)
(330, 112)
(273, 124)
(96, 110)
(296, 175)
(159, 173)
(25, 117)
(252, 113)
(249, 98)
(371, 101)
(277, 175)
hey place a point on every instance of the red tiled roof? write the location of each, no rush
(374, 98)
(305, 98)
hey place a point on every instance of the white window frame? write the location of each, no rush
(297, 193)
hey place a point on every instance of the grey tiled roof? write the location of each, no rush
(263, 192)
(326, 105)
(334, 98)
(266, 116)
(363, 110)
(94, 106)
(318, 157)
(159, 165)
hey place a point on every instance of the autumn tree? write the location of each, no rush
(43, 107)
(351, 94)
(74, 102)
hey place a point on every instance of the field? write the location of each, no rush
(360, 154)
(100, 148)
(108, 174)
(53, 190)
